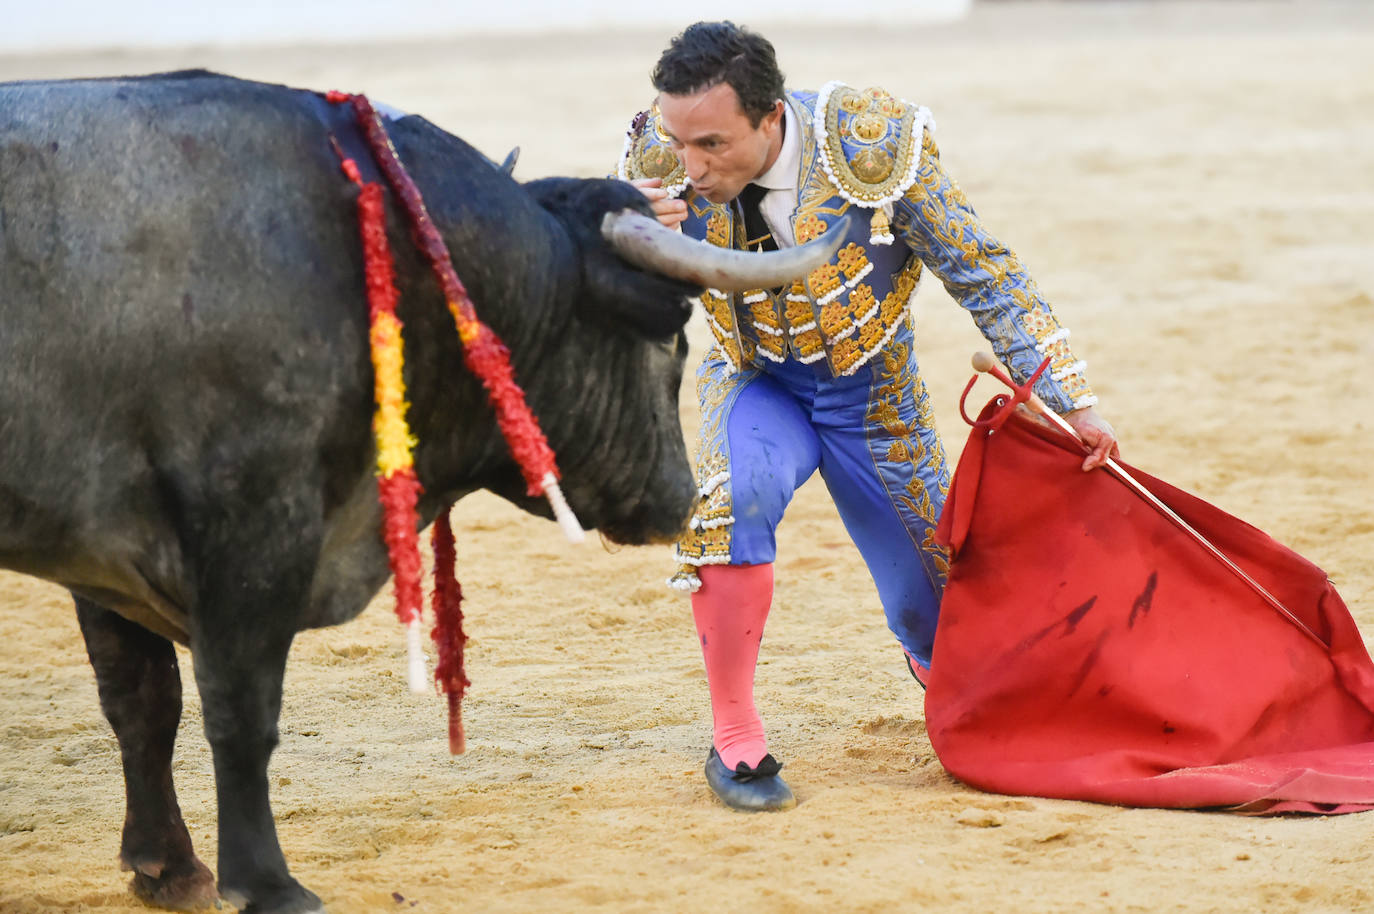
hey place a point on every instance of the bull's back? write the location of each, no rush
(121, 199)
(179, 284)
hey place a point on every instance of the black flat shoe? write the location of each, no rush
(757, 789)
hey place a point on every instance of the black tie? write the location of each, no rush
(756, 233)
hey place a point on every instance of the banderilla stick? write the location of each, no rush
(984, 362)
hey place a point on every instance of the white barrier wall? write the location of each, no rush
(36, 26)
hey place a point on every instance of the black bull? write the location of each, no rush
(185, 398)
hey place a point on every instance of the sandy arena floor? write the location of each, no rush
(1193, 187)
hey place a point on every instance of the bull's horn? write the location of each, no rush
(508, 166)
(647, 243)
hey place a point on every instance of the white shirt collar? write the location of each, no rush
(782, 175)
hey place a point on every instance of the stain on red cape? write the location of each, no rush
(1089, 649)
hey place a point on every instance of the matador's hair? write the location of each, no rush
(707, 54)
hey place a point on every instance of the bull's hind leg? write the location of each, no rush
(249, 603)
(140, 693)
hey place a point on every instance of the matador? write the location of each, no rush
(821, 374)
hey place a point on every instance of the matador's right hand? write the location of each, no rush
(669, 211)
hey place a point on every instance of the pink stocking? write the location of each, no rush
(730, 610)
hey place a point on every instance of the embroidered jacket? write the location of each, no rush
(874, 156)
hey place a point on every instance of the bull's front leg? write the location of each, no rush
(250, 597)
(140, 693)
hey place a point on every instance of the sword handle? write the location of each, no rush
(985, 363)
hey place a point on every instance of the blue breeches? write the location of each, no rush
(871, 436)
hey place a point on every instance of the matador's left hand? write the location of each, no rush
(1097, 433)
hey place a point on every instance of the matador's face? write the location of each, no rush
(720, 150)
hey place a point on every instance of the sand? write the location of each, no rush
(1193, 187)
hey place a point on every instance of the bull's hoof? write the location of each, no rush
(185, 887)
(289, 899)
(759, 789)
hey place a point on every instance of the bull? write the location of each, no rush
(185, 399)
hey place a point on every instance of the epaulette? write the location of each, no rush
(648, 154)
(870, 147)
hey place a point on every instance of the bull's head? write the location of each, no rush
(625, 470)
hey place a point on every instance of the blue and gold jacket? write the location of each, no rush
(869, 152)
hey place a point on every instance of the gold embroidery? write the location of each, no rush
(763, 311)
(718, 229)
(648, 155)
(720, 309)
(938, 554)
(891, 310)
(776, 346)
(1052, 341)
(824, 280)
(1077, 388)
(884, 124)
(861, 301)
(884, 102)
(835, 320)
(768, 324)
(1039, 323)
(714, 510)
(868, 127)
(798, 313)
(872, 166)
(819, 196)
(809, 345)
(851, 260)
(885, 412)
(715, 541)
(708, 538)
(808, 228)
(730, 348)
(905, 283)
(658, 162)
(844, 354)
(720, 315)
(871, 334)
(853, 102)
(897, 381)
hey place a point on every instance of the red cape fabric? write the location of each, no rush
(1090, 649)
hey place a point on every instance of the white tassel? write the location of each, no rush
(686, 584)
(415, 658)
(713, 483)
(561, 512)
